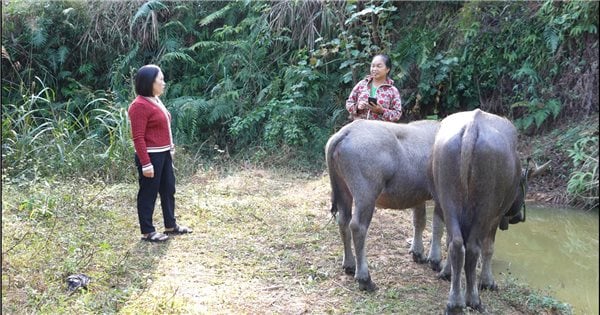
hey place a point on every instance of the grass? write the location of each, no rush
(264, 243)
(52, 230)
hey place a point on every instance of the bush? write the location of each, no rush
(583, 182)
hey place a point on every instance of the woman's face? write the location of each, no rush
(379, 70)
(158, 87)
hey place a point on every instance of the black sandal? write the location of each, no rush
(179, 229)
(155, 237)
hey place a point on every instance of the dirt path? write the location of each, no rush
(264, 244)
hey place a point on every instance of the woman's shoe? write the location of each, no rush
(156, 237)
(179, 229)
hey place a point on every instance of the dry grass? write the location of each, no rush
(264, 243)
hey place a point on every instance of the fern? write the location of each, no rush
(39, 37)
(189, 116)
(86, 69)
(175, 25)
(551, 38)
(176, 56)
(215, 15)
(221, 110)
(205, 44)
(171, 44)
(62, 54)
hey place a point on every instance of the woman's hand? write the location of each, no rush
(376, 108)
(148, 173)
(362, 104)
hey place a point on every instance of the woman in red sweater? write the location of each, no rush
(154, 149)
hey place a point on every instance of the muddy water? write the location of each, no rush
(554, 250)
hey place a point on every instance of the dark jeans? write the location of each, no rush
(162, 183)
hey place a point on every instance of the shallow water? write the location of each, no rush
(554, 250)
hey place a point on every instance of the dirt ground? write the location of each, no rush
(264, 243)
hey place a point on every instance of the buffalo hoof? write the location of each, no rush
(488, 286)
(454, 310)
(367, 285)
(435, 265)
(444, 276)
(349, 270)
(418, 257)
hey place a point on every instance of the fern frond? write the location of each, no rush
(176, 56)
(39, 37)
(62, 53)
(175, 25)
(221, 110)
(551, 38)
(215, 15)
(205, 44)
(171, 44)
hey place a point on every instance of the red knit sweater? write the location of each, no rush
(150, 129)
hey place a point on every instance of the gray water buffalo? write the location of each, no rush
(375, 163)
(478, 186)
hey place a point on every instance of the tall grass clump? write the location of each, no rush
(80, 137)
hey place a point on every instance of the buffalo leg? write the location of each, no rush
(456, 256)
(359, 226)
(419, 222)
(344, 216)
(486, 280)
(435, 251)
(447, 267)
(473, 251)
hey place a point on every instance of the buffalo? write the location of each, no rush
(478, 185)
(375, 163)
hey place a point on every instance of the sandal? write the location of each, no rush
(155, 237)
(179, 229)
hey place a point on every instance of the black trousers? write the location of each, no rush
(162, 183)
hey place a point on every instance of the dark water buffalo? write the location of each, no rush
(374, 163)
(477, 184)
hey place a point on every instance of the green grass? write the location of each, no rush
(263, 242)
(54, 229)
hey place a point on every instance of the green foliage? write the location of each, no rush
(436, 76)
(288, 119)
(64, 228)
(583, 182)
(248, 74)
(45, 138)
(536, 112)
(535, 301)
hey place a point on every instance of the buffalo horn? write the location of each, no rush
(538, 170)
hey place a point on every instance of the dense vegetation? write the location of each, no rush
(266, 81)
(256, 83)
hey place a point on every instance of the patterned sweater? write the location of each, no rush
(150, 129)
(387, 96)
